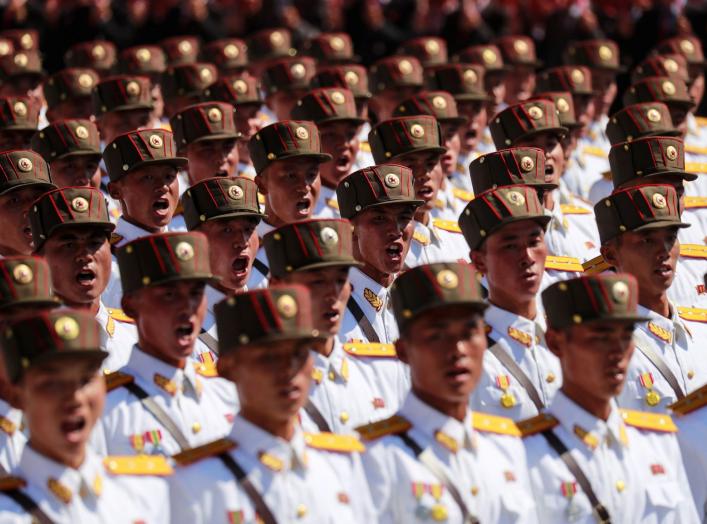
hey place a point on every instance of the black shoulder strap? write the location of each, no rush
(316, 416)
(362, 320)
(29, 505)
(515, 370)
(661, 366)
(260, 266)
(261, 508)
(600, 511)
(209, 341)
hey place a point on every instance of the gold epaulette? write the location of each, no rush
(119, 315)
(154, 465)
(693, 251)
(447, 225)
(694, 314)
(115, 238)
(695, 167)
(596, 265)
(334, 442)
(166, 126)
(333, 203)
(261, 199)
(117, 379)
(206, 369)
(701, 121)
(179, 210)
(370, 349)
(607, 175)
(649, 421)
(494, 424)
(365, 146)
(536, 424)
(698, 150)
(389, 426)
(692, 202)
(692, 402)
(8, 483)
(563, 264)
(421, 238)
(594, 151)
(190, 456)
(569, 209)
(466, 196)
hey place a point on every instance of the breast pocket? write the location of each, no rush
(575, 509)
(663, 497)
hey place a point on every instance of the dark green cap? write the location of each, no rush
(69, 84)
(373, 186)
(670, 91)
(164, 258)
(22, 169)
(270, 44)
(518, 50)
(564, 105)
(688, 46)
(67, 138)
(205, 121)
(487, 55)
(395, 72)
(640, 120)
(139, 149)
(433, 286)
(509, 167)
(348, 76)
(672, 66)
(62, 335)
(328, 104)
(24, 63)
(648, 157)
(464, 81)
(595, 54)
(143, 60)
(310, 244)
(99, 55)
(283, 140)
(403, 135)
(18, 113)
(525, 120)
(575, 79)
(637, 208)
(265, 316)
(288, 74)
(439, 104)
(181, 49)
(597, 298)
(219, 198)
(122, 93)
(188, 80)
(228, 54)
(235, 90)
(25, 281)
(330, 48)
(498, 207)
(429, 50)
(26, 39)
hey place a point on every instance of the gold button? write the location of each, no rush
(474, 490)
(620, 485)
(550, 378)
(332, 376)
(690, 374)
(344, 417)
(301, 511)
(196, 427)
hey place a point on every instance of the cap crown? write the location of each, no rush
(517, 50)
(188, 79)
(25, 280)
(131, 150)
(508, 167)
(235, 90)
(220, 197)
(644, 157)
(574, 79)
(349, 76)
(20, 63)
(227, 53)
(439, 104)
(282, 140)
(658, 89)
(670, 65)
(22, 168)
(209, 120)
(181, 49)
(429, 50)
(595, 54)
(122, 93)
(143, 60)
(487, 55)
(330, 48)
(687, 45)
(563, 103)
(402, 135)
(288, 74)
(70, 84)
(270, 44)
(395, 72)
(18, 113)
(639, 120)
(463, 81)
(522, 120)
(98, 54)
(67, 137)
(326, 105)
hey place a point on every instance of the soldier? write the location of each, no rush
(589, 460)
(19, 118)
(429, 50)
(149, 61)
(266, 46)
(505, 229)
(670, 90)
(163, 401)
(330, 49)
(21, 74)
(121, 104)
(180, 50)
(267, 465)
(183, 85)
(68, 94)
(99, 55)
(229, 55)
(518, 52)
(53, 361)
(495, 70)
(284, 82)
(438, 460)
(392, 80)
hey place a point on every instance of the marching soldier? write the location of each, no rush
(68, 93)
(330, 49)
(21, 74)
(121, 104)
(266, 46)
(518, 52)
(99, 55)
(429, 50)
(181, 50)
(392, 80)
(149, 61)
(229, 55)
(495, 70)
(19, 117)
(285, 82)
(183, 85)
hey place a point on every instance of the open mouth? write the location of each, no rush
(394, 252)
(239, 266)
(161, 206)
(616, 374)
(332, 316)
(425, 192)
(304, 205)
(471, 134)
(291, 392)
(549, 172)
(221, 173)
(73, 427)
(343, 161)
(27, 232)
(457, 374)
(184, 332)
(664, 270)
(86, 277)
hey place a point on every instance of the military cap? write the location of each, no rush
(487, 55)
(310, 244)
(509, 167)
(575, 79)
(688, 46)
(122, 93)
(288, 74)
(670, 91)
(395, 72)
(596, 298)
(433, 286)
(270, 44)
(565, 107)
(219, 198)
(228, 54)
(384, 184)
(518, 50)
(498, 207)
(350, 76)
(439, 104)
(235, 90)
(524, 120)
(188, 79)
(67, 138)
(22, 39)
(670, 65)
(25, 281)
(403, 135)
(7, 46)
(639, 120)
(463, 81)
(164, 258)
(205, 121)
(22, 169)
(69, 206)
(284, 140)
(140, 148)
(327, 104)
(69, 84)
(181, 50)
(595, 54)
(637, 208)
(330, 48)
(62, 335)
(23, 63)
(99, 55)
(265, 316)
(429, 50)
(18, 113)
(143, 60)
(648, 157)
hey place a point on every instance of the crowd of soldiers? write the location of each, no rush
(243, 282)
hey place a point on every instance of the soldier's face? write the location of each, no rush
(118, 122)
(427, 180)
(233, 244)
(209, 158)
(584, 109)
(283, 102)
(452, 141)
(291, 189)
(80, 262)
(520, 84)
(14, 140)
(697, 88)
(76, 171)
(16, 234)
(496, 88)
(75, 108)
(477, 116)
(554, 154)
(678, 114)
(444, 349)
(604, 82)
(247, 121)
(340, 141)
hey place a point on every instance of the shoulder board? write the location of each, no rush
(117, 379)
(691, 148)
(692, 402)
(494, 424)
(115, 238)
(261, 199)
(701, 121)
(693, 251)
(333, 203)
(594, 151)
(692, 202)
(693, 314)
(166, 126)
(596, 265)
(206, 369)
(119, 315)
(447, 225)
(334, 442)
(536, 424)
(190, 456)
(563, 263)
(365, 146)
(389, 426)
(8, 483)
(370, 349)
(649, 421)
(466, 196)
(421, 238)
(569, 209)
(154, 465)
(607, 175)
(179, 210)
(486, 140)
(695, 167)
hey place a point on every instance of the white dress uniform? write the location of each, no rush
(364, 158)
(299, 480)
(327, 205)
(593, 149)
(12, 440)
(498, 392)
(213, 297)
(482, 456)
(120, 336)
(440, 241)
(688, 286)
(90, 494)
(200, 404)
(632, 462)
(461, 179)
(261, 268)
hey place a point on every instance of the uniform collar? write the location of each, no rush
(523, 330)
(213, 296)
(372, 293)
(168, 379)
(129, 231)
(666, 329)
(13, 415)
(692, 127)
(263, 228)
(335, 366)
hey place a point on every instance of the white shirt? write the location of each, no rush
(440, 241)
(692, 436)
(258, 278)
(327, 205)
(12, 440)
(120, 337)
(213, 297)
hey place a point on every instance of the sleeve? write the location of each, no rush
(686, 509)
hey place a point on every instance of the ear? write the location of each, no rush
(478, 258)
(115, 190)
(609, 252)
(128, 305)
(401, 350)
(262, 182)
(555, 340)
